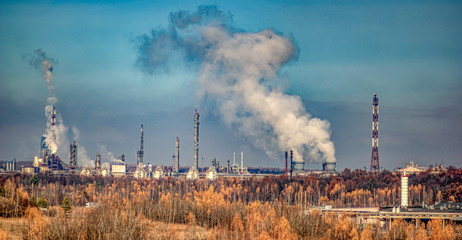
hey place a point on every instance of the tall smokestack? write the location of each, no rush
(53, 116)
(176, 166)
(242, 161)
(140, 153)
(285, 172)
(291, 162)
(196, 139)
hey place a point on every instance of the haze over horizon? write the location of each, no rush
(409, 53)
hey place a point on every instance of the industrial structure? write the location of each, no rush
(53, 116)
(119, 170)
(375, 165)
(196, 139)
(404, 190)
(328, 167)
(50, 162)
(211, 173)
(73, 155)
(193, 172)
(43, 147)
(140, 153)
(98, 161)
(11, 165)
(411, 168)
(176, 159)
(122, 158)
(298, 164)
(158, 173)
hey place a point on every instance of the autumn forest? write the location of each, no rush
(53, 207)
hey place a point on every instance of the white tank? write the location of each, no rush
(193, 174)
(211, 174)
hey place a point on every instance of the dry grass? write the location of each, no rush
(12, 227)
(161, 230)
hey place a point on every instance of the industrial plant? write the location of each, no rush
(49, 162)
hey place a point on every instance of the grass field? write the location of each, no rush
(12, 227)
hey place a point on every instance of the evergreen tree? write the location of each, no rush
(66, 205)
(42, 203)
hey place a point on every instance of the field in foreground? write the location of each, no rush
(18, 228)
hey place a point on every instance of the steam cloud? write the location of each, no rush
(237, 72)
(107, 155)
(55, 134)
(82, 156)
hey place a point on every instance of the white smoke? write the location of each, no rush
(47, 69)
(56, 135)
(236, 70)
(82, 154)
(107, 155)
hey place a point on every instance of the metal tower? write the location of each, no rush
(73, 155)
(375, 166)
(196, 139)
(140, 153)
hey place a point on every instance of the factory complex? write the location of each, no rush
(50, 162)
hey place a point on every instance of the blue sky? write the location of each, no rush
(408, 52)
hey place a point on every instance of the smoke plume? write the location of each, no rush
(107, 155)
(40, 61)
(82, 155)
(55, 133)
(237, 72)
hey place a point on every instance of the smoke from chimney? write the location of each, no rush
(83, 158)
(107, 155)
(239, 73)
(55, 133)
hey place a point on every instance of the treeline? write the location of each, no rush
(269, 208)
(356, 188)
(136, 218)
